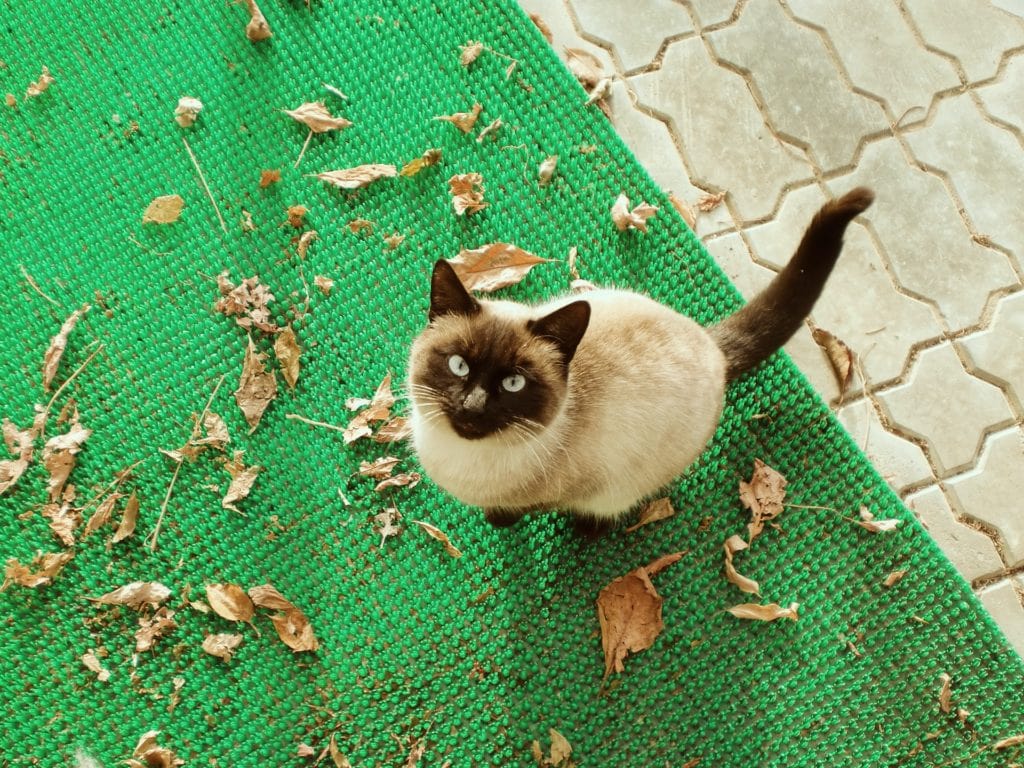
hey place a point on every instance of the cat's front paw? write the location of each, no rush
(501, 517)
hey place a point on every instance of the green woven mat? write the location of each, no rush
(469, 659)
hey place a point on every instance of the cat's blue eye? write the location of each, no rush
(458, 366)
(513, 383)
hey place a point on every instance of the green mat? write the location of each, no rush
(424, 659)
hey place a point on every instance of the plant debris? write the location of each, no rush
(868, 522)
(92, 663)
(257, 29)
(427, 159)
(388, 521)
(257, 387)
(467, 190)
(19, 443)
(733, 545)
(840, 357)
(147, 754)
(708, 203)
(268, 177)
(586, 67)
(151, 628)
(410, 479)
(135, 595)
(247, 302)
(470, 52)
(286, 347)
(624, 218)
(659, 509)
(163, 210)
(489, 130)
(393, 240)
(547, 170)
(339, 760)
(222, 646)
(360, 176)
(893, 578)
(559, 754)
(242, 478)
(394, 430)
(684, 210)
(59, 458)
(314, 115)
(54, 352)
(230, 601)
(493, 266)
(41, 85)
(436, 533)
(629, 610)
(324, 283)
(102, 515)
(305, 240)
(464, 121)
(379, 469)
(946, 694)
(291, 624)
(297, 216)
(763, 496)
(187, 111)
(769, 612)
(39, 573)
(377, 409)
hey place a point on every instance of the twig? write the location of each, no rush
(36, 287)
(304, 420)
(115, 482)
(71, 378)
(206, 187)
(303, 152)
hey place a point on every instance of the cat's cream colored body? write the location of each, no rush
(645, 393)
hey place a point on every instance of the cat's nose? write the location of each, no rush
(475, 400)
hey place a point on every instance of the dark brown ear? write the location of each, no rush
(565, 327)
(447, 294)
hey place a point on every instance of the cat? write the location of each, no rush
(592, 402)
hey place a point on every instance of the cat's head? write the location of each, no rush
(487, 367)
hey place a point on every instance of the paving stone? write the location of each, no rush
(563, 31)
(860, 305)
(1002, 601)
(898, 460)
(958, 274)
(1002, 99)
(991, 492)
(999, 350)
(721, 133)
(710, 12)
(638, 41)
(970, 550)
(882, 57)
(948, 408)
(803, 93)
(976, 33)
(1015, 7)
(984, 163)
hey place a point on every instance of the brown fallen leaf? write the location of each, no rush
(59, 458)
(286, 347)
(946, 694)
(361, 227)
(150, 755)
(493, 266)
(222, 646)
(893, 578)
(437, 533)
(629, 611)
(395, 430)
(339, 760)
(470, 52)
(242, 479)
(187, 111)
(39, 573)
(1013, 741)
(304, 750)
(19, 443)
(230, 601)
(769, 612)
(624, 218)
(840, 357)
(248, 302)
(295, 630)
(378, 409)
(560, 748)
(684, 209)
(297, 216)
(305, 240)
(152, 628)
(41, 85)
(135, 595)
(489, 130)
(388, 520)
(427, 159)
(410, 479)
(464, 121)
(216, 430)
(257, 387)
(587, 68)
(467, 190)
(733, 545)
(92, 663)
(868, 522)
(393, 240)
(542, 25)
(64, 517)
(128, 519)
(763, 496)
(360, 176)
(378, 469)
(547, 170)
(314, 115)
(257, 29)
(325, 284)
(659, 509)
(11, 100)
(268, 177)
(54, 352)
(267, 596)
(102, 515)
(163, 210)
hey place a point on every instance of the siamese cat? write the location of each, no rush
(592, 402)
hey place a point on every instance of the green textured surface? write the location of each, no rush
(407, 652)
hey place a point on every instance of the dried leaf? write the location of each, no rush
(40, 85)
(839, 356)
(464, 121)
(286, 347)
(257, 29)
(297, 215)
(490, 129)
(325, 284)
(542, 26)
(547, 170)
(135, 595)
(304, 750)
(763, 496)
(946, 694)
(769, 612)
(360, 176)
(659, 509)
(393, 240)
(151, 628)
(629, 610)
(410, 479)
(295, 630)
(361, 227)
(305, 240)
(427, 159)
(467, 190)
(266, 596)
(19, 443)
(222, 645)
(599, 91)
(394, 430)
(41, 572)
(585, 66)
(378, 409)
(339, 760)
(893, 578)
(684, 210)
(187, 111)
(493, 266)
(708, 203)
(624, 218)
(378, 469)
(268, 177)
(59, 458)
(256, 387)
(470, 52)
(93, 665)
(248, 302)
(102, 515)
(163, 210)
(230, 602)
(388, 520)
(1013, 741)
(242, 478)
(733, 545)
(436, 533)
(216, 432)
(152, 755)
(54, 352)
(560, 748)
(868, 522)
(64, 518)
(314, 115)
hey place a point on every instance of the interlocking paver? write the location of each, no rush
(802, 89)
(1015, 7)
(1003, 602)
(948, 408)
(890, 65)
(637, 42)
(904, 462)
(999, 350)
(971, 551)
(1002, 99)
(991, 492)
(711, 12)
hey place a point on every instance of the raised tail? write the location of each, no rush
(751, 334)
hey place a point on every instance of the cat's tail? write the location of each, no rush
(758, 329)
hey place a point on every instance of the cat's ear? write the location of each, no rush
(448, 296)
(565, 327)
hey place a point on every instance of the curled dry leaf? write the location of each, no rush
(436, 533)
(361, 227)
(840, 357)
(163, 210)
(339, 760)
(151, 628)
(388, 522)
(128, 519)
(187, 111)
(304, 750)
(893, 578)
(600, 91)
(64, 517)
(360, 176)
(222, 646)
(135, 595)
(150, 755)
(286, 347)
(427, 159)
(585, 66)
(257, 387)
(40, 572)
(216, 430)
(684, 210)
(393, 240)
(325, 284)
(547, 170)
(708, 203)
(297, 216)
(769, 612)
(489, 130)
(230, 601)
(378, 469)
(39, 86)
(268, 177)
(257, 29)
(378, 409)
(868, 522)
(242, 478)
(467, 190)
(92, 663)
(624, 218)
(659, 509)
(470, 52)
(733, 545)
(19, 443)
(464, 121)
(763, 496)
(54, 352)
(410, 479)
(629, 611)
(314, 115)
(395, 430)
(102, 515)
(945, 694)
(267, 596)
(493, 266)
(248, 302)
(305, 240)
(1013, 741)
(295, 630)
(59, 458)
(560, 748)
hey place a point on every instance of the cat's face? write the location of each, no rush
(486, 372)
